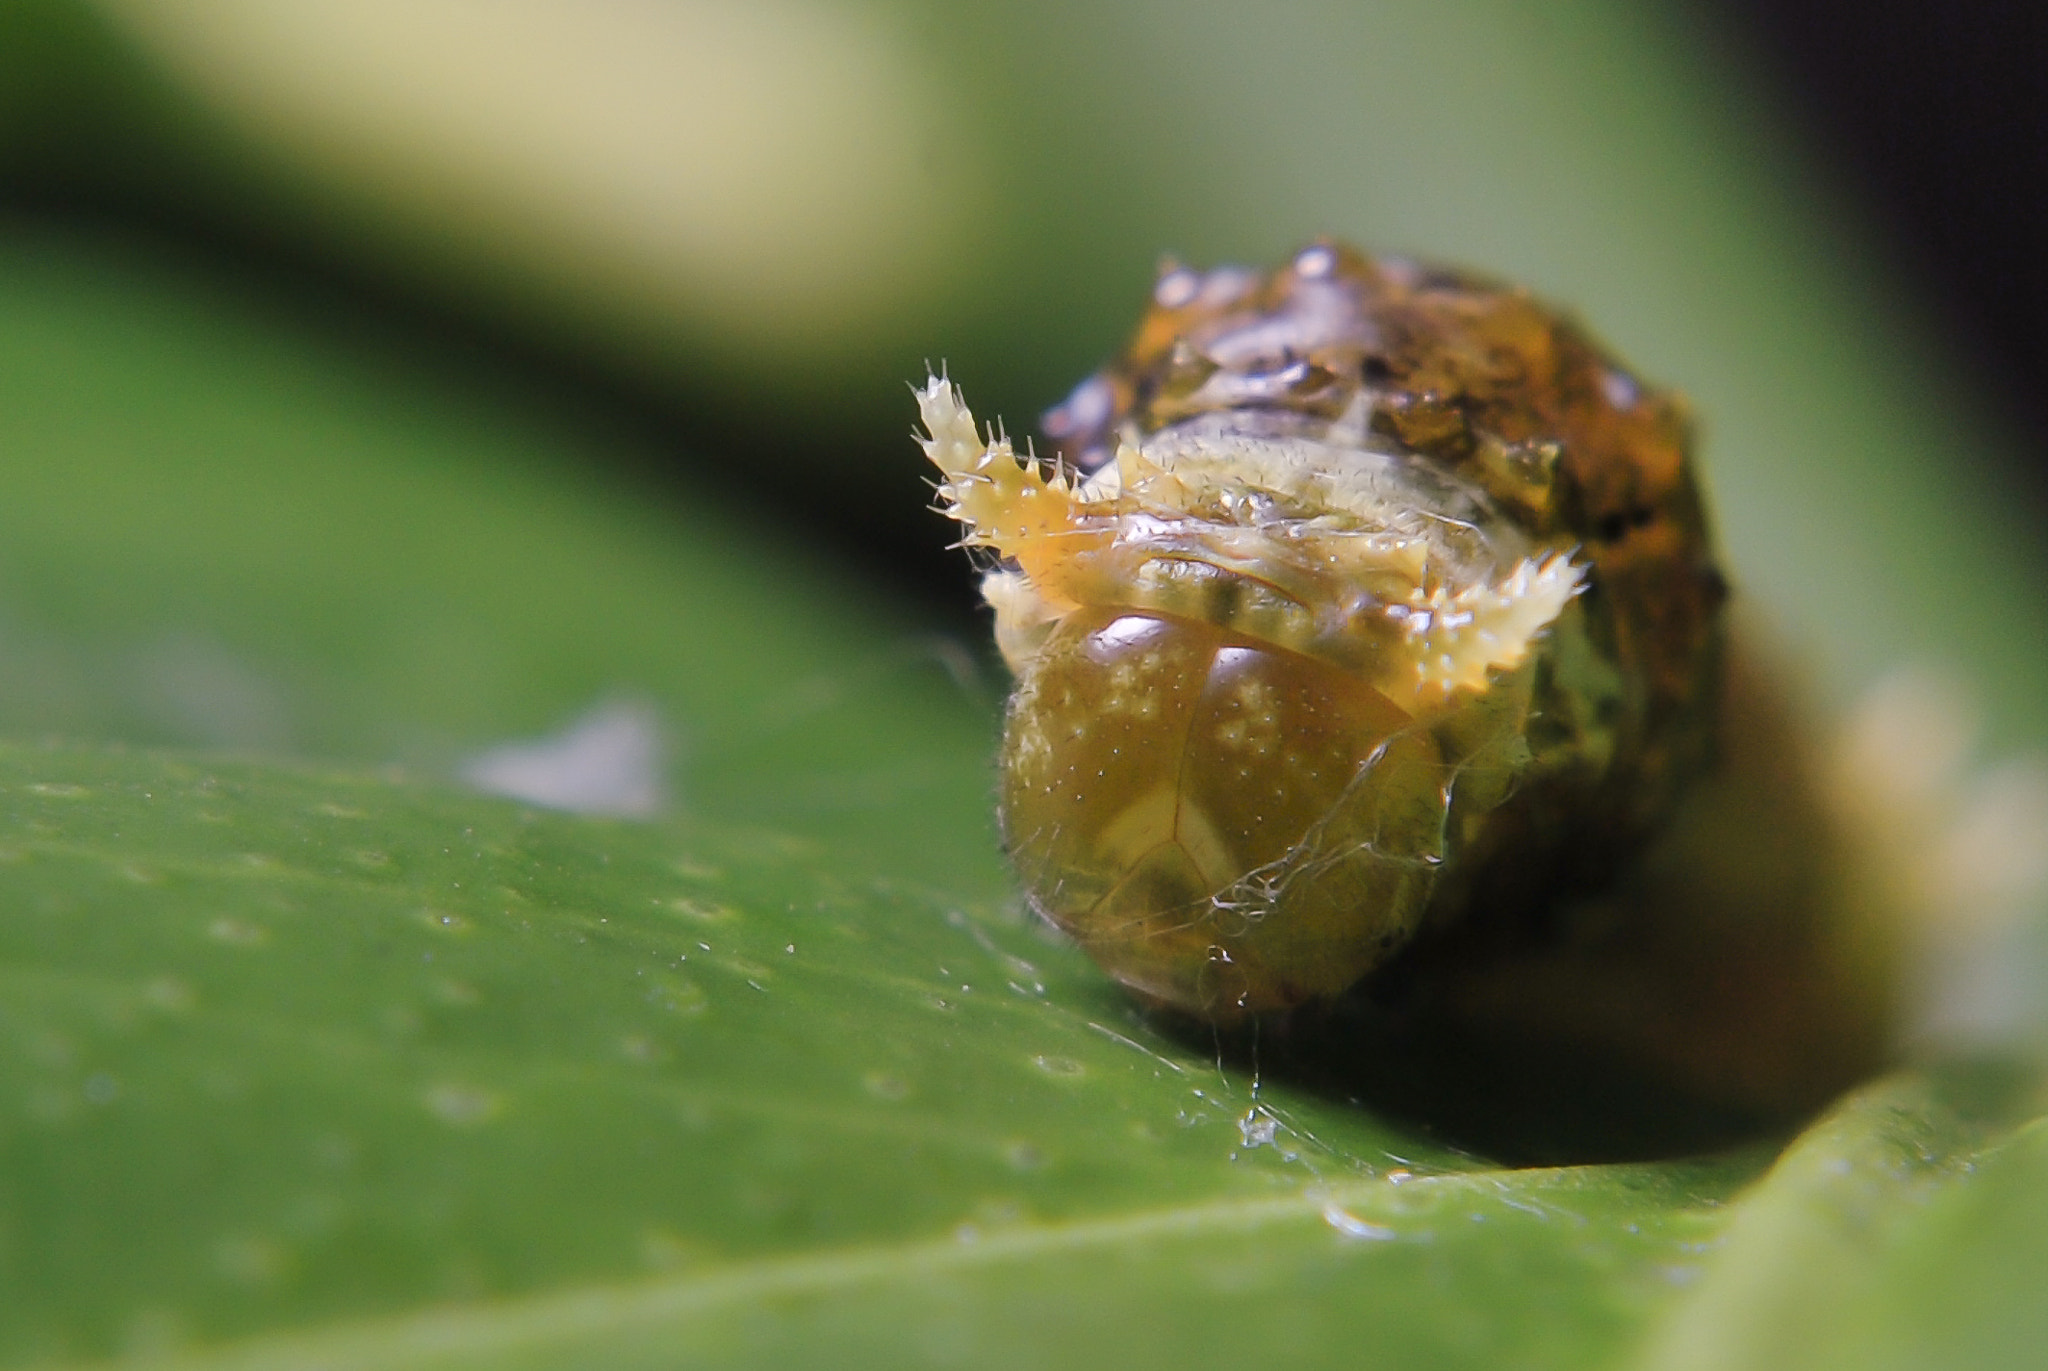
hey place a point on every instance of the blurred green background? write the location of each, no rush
(742, 229)
(384, 380)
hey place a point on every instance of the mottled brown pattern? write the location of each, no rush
(1510, 393)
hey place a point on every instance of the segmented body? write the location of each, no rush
(1357, 600)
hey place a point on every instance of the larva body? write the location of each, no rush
(1358, 601)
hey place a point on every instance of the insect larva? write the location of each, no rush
(1357, 601)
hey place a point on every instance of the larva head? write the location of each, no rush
(1226, 825)
(1289, 648)
(1247, 717)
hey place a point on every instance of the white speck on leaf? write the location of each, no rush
(609, 760)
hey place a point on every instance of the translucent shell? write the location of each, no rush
(1218, 819)
(1358, 602)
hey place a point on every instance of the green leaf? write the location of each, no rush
(1846, 1254)
(384, 1075)
(221, 528)
(1961, 1283)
